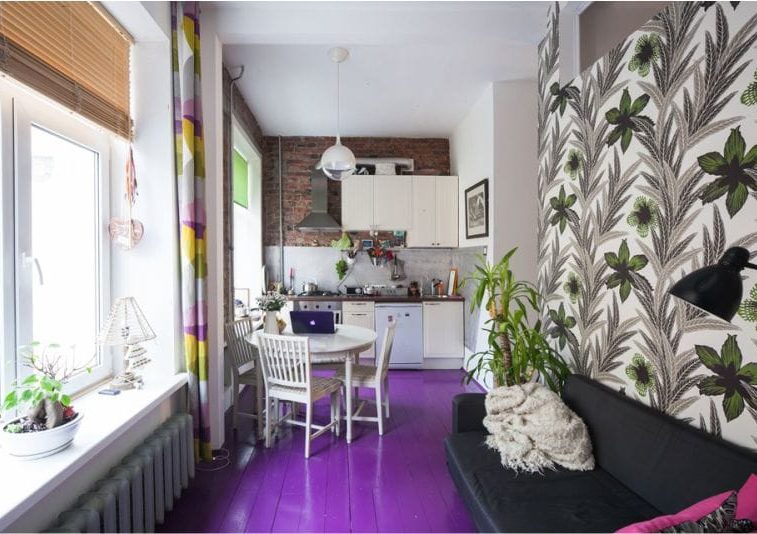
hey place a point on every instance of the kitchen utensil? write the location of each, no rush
(397, 273)
(309, 287)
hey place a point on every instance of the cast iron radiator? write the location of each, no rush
(136, 493)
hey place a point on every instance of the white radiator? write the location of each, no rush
(135, 495)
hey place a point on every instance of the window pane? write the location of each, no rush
(64, 244)
(240, 183)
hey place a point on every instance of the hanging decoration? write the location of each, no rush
(127, 232)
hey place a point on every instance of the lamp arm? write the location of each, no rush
(751, 266)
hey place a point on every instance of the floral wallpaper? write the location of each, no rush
(648, 170)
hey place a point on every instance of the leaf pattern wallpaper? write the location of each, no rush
(647, 171)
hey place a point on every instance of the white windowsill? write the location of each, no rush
(26, 483)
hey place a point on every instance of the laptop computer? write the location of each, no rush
(312, 322)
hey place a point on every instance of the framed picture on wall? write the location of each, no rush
(477, 210)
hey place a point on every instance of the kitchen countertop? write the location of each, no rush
(379, 298)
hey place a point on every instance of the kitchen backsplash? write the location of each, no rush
(317, 263)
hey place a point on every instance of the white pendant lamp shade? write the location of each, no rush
(338, 161)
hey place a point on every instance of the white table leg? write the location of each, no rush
(348, 391)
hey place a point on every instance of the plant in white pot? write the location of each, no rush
(271, 303)
(50, 421)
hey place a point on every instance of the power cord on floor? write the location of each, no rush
(220, 461)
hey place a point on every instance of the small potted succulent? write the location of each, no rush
(271, 303)
(50, 421)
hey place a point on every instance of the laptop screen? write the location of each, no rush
(312, 322)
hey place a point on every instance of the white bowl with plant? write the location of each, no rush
(49, 422)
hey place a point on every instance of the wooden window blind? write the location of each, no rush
(72, 52)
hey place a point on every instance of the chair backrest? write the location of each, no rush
(382, 365)
(242, 351)
(285, 360)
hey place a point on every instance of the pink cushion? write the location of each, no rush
(746, 508)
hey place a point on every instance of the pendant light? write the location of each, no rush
(338, 162)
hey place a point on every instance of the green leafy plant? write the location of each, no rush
(517, 347)
(42, 392)
(341, 268)
(736, 171)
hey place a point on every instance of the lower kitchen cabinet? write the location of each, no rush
(443, 335)
(360, 313)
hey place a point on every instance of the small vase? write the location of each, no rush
(271, 323)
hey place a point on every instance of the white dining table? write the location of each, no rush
(343, 346)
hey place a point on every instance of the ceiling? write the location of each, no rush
(415, 68)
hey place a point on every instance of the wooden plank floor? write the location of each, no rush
(395, 483)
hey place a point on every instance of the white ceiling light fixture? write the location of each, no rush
(338, 162)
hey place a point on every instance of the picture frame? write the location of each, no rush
(477, 210)
(365, 244)
(452, 282)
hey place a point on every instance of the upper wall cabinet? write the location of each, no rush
(377, 203)
(357, 203)
(435, 212)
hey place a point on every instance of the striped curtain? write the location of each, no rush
(190, 179)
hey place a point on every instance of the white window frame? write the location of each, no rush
(247, 149)
(21, 108)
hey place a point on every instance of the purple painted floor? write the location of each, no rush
(395, 483)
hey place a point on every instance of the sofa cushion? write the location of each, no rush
(668, 463)
(557, 501)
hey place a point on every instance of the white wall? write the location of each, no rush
(472, 157)
(472, 160)
(212, 107)
(497, 139)
(515, 197)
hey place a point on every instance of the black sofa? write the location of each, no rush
(647, 464)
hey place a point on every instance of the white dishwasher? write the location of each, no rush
(407, 349)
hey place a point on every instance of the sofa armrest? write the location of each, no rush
(468, 413)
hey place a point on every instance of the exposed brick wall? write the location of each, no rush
(300, 154)
(251, 127)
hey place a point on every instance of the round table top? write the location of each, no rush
(346, 339)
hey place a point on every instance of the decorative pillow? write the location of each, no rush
(746, 508)
(722, 519)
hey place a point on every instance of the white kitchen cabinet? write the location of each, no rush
(361, 313)
(434, 212)
(422, 232)
(357, 203)
(447, 229)
(443, 329)
(392, 202)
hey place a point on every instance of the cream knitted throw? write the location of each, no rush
(533, 429)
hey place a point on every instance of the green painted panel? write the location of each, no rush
(240, 183)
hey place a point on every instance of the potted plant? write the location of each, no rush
(50, 422)
(518, 350)
(271, 303)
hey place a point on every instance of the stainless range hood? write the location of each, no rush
(319, 220)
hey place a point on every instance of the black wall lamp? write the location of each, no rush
(716, 289)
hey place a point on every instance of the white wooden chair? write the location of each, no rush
(245, 367)
(286, 365)
(376, 378)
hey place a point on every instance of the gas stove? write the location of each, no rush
(318, 293)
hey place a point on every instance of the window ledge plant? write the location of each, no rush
(47, 407)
